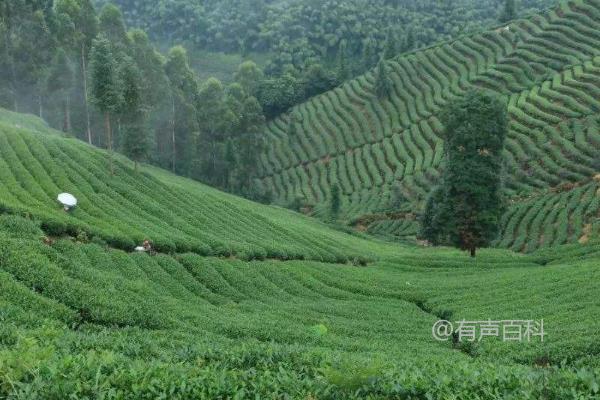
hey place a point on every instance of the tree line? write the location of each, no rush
(304, 41)
(85, 73)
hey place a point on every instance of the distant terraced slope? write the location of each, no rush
(548, 69)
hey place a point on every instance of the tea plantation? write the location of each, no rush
(36, 164)
(249, 301)
(383, 152)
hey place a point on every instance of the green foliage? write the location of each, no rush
(303, 53)
(390, 50)
(319, 330)
(383, 82)
(434, 221)
(335, 202)
(215, 122)
(343, 67)
(60, 77)
(60, 83)
(318, 79)
(509, 12)
(135, 140)
(130, 80)
(183, 114)
(91, 321)
(279, 94)
(249, 76)
(409, 41)
(20, 227)
(87, 320)
(370, 56)
(112, 25)
(351, 375)
(79, 16)
(106, 86)
(297, 34)
(465, 211)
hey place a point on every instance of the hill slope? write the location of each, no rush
(36, 164)
(547, 67)
(86, 320)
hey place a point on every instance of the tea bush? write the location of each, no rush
(176, 214)
(82, 320)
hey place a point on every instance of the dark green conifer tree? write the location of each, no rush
(106, 88)
(383, 82)
(251, 145)
(231, 164)
(336, 201)
(343, 69)
(78, 24)
(113, 27)
(135, 143)
(184, 122)
(60, 83)
(409, 41)
(370, 55)
(465, 210)
(391, 49)
(509, 12)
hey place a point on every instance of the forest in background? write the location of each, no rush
(77, 64)
(298, 33)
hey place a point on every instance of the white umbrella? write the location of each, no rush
(67, 200)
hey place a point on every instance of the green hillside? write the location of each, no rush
(83, 317)
(175, 213)
(385, 152)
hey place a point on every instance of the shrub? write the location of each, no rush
(19, 226)
(350, 375)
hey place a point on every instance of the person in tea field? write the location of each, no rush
(146, 247)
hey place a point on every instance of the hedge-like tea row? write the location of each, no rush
(553, 219)
(547, 67)
(178, 215)
(82, 321)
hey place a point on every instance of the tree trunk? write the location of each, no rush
(173, 136)
(64, 124)
(109, 141)
(118, 135)
(13, 76)
(473, 250)
(41, 106)
(85, 94)
(68, 112)
(67, 115)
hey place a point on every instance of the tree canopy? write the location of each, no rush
(465, 210)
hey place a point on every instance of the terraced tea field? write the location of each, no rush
(178, 216)
(86, 321)
(548, 69)
(84, 317)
